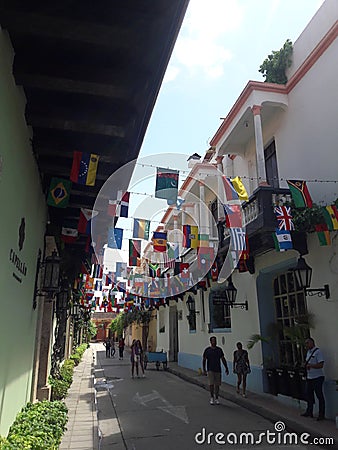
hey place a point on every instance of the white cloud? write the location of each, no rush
(201, 44)
(171, 73)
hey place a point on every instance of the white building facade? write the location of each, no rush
(273, 133)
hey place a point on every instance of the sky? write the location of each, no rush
(220, 47)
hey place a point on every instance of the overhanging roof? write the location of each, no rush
(91, 72)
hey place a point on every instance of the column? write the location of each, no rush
(220, 189)
(203, 226)
(260, 160)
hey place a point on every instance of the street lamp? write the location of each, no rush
(62, 302)
(230, 292)
(303, 274)
(50, 282)
(50, 279)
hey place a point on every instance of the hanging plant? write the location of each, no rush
(305, 219)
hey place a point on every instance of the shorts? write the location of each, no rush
(214, 378)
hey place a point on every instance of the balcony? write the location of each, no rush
(260, 222)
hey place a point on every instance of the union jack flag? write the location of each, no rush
(284, 217)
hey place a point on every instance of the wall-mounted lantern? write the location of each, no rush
(303, 274)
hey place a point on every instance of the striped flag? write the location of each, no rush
(84, 168)
(237, 239)
(134, 252)
(190, 233)
(282, 239)
(229, 190)
(300, 193)
(233, 216)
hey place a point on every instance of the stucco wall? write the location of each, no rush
(20, 197)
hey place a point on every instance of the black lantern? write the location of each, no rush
(50, 282)
(62, 302)
(230, 292)
(303, 274)
(76, 311)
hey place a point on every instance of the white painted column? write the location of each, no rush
(220, 189)
(203, 224)
(260, 160)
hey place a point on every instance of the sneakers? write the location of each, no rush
(212, 402)
(216, 401)
(244, 395)
(143, 376)
(307, 414)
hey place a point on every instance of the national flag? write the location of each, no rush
(284, 217)
(134, 252)
(141, 229)
(330, 214)
(214, 271)
(233, 216)
(190, 233)
(84, 168)
(119, 207)
(283, 240)
(179, 203)
(85, 220)
(97, 271)
(323, 234)
(121, 269)
(229, 190)
(154, 270)
(184, 271)
(98, 285)
(171, 255)
(237, 239)
(166, 184)
(89, 283)
(115, 236)
(69, 235)
(300, 193)
(203, 240)
(59, 192)
(240, 188)
(205, 257)
(159, 241)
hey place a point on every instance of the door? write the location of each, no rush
(173, 333)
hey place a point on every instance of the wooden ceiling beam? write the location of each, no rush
(49, 83)
(73, 125)
(61, 28)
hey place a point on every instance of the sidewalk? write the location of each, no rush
(83, 426)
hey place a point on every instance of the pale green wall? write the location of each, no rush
(20, 196)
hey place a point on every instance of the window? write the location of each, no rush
(292, 320)
(271, 165)
(220, 318)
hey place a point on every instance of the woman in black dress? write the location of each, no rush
(241, 367)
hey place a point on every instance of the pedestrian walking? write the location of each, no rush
(132, 357)
(139, 357)
(212, 357)
(112, 347)
(241, 367)
(107, 345)
(314, 364)
(121, 347)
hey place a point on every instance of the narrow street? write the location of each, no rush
(164, 412)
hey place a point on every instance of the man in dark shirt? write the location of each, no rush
(213, 356)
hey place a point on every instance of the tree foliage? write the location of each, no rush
(274, 66)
